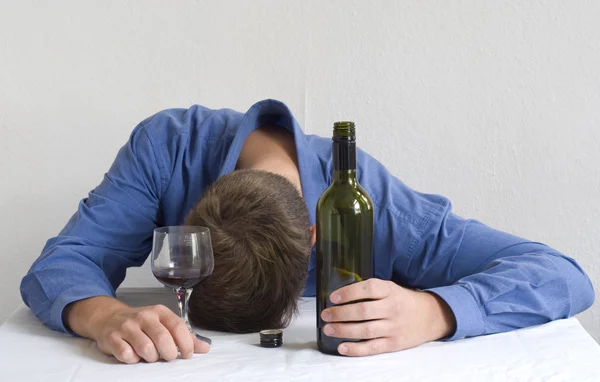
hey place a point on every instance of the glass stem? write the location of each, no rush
(183, 296)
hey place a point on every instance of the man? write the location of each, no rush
(254, 180)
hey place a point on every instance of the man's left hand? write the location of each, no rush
(396, 318)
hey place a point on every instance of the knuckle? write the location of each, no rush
(186, 344)
(125, 355)
(397, 306)
(370, 285)
(374, 349)
(186, 349)
(163, 338)
(170, 354)
(367, 331)
(113, 338)
(342, 331)
(179, 325)
(128, 325)
(129, 328)
(160, 309)
(147, 350)
(144, 315)
(363, 309)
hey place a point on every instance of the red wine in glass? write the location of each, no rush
(179, 278)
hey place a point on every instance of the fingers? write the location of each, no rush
(360, 311)
(162, 340)
(187, 342)
(119, 348)
(179, 334)
(372, 289)
(131, 331)
(364, 330)
(365, 348)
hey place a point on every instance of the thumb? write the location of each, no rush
(201, 343)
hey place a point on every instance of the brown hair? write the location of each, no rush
(260, 233)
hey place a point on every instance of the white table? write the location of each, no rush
(558, 351)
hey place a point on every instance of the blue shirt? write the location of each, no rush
(492, 281)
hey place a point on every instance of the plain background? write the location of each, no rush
(494, 104)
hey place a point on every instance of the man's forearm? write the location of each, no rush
(501, 297)
(85, 317)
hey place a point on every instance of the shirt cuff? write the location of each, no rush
(71, 295)
(469, 321)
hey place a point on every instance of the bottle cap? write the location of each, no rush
(271, 338)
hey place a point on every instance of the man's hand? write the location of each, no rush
(132, 334)
(396, 319)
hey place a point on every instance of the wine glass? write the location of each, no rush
(182, 256)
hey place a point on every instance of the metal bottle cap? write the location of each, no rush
(271, 338)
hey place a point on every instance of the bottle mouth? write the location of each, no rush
(344, 131)
(343, 125)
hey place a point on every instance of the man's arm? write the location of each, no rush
(110, 231)
(490, 281)
(494, 281)
(82, 266)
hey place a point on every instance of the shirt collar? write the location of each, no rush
(276, 113)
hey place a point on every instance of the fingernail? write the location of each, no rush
(189, 355)
(335, 298)
(343, 349)
(326, 316)
(328, 330)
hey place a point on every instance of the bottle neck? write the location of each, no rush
(344, 161)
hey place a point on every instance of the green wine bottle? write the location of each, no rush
(344, 231)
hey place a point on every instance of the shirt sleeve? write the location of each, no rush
(110, 231)
(493, 281)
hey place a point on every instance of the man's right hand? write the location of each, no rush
(132, 334)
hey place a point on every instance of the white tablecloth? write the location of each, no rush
(558, 351)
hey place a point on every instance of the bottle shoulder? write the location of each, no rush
(344, 196)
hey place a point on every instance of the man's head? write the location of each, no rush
(262, 241)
